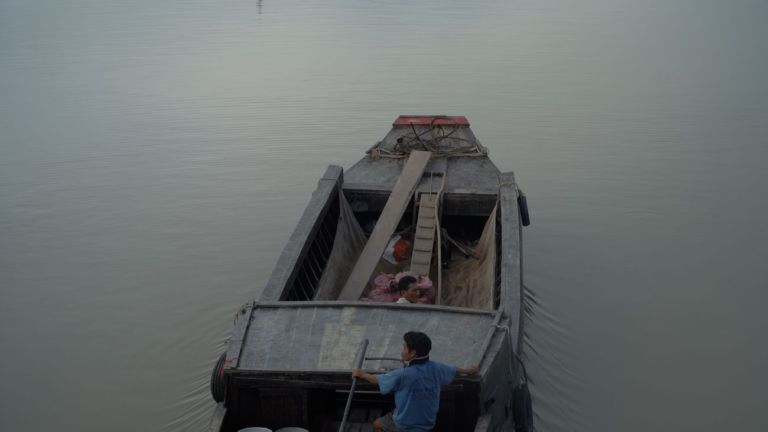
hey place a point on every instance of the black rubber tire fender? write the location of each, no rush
(522, 204)
(218, 384)
(522, 408)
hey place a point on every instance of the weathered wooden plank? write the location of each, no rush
(511, 260)
(296, 249)
(385, 226)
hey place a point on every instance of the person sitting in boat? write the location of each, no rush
(386, 288)
(416, 386)
(409, 290)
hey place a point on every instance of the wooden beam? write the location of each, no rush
(386, 225)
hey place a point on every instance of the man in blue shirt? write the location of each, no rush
(416, 387)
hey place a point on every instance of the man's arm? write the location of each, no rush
(468, 371)
(359, 373)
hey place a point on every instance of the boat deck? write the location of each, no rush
(467, 176)
(324, 336)
(468, 179)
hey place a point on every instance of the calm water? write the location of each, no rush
(155, 155)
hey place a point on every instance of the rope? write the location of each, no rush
(434, 139)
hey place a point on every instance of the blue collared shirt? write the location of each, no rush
(417, 393)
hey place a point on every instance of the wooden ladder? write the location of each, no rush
(424, 238)
(386, 225)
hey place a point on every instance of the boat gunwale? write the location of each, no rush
(365, 304)
(288, 376)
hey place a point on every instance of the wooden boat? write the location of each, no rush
(289, 358)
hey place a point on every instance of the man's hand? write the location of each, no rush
(359, 373)
(468, 371)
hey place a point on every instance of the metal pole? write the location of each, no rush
(358, 364)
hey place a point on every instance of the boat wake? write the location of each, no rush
(553, 383)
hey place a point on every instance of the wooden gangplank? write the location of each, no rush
(386, 225)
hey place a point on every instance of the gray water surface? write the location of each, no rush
(155, 156)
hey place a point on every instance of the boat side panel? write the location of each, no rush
(296, 249)
(483, 423)
(235, 344)
(497, 380)
(511, 258)
(217, 418)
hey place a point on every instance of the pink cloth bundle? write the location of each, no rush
(385, 288)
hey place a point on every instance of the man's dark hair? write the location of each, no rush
(404, 282)
(419, 342)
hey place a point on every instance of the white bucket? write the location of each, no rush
(255, 429)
